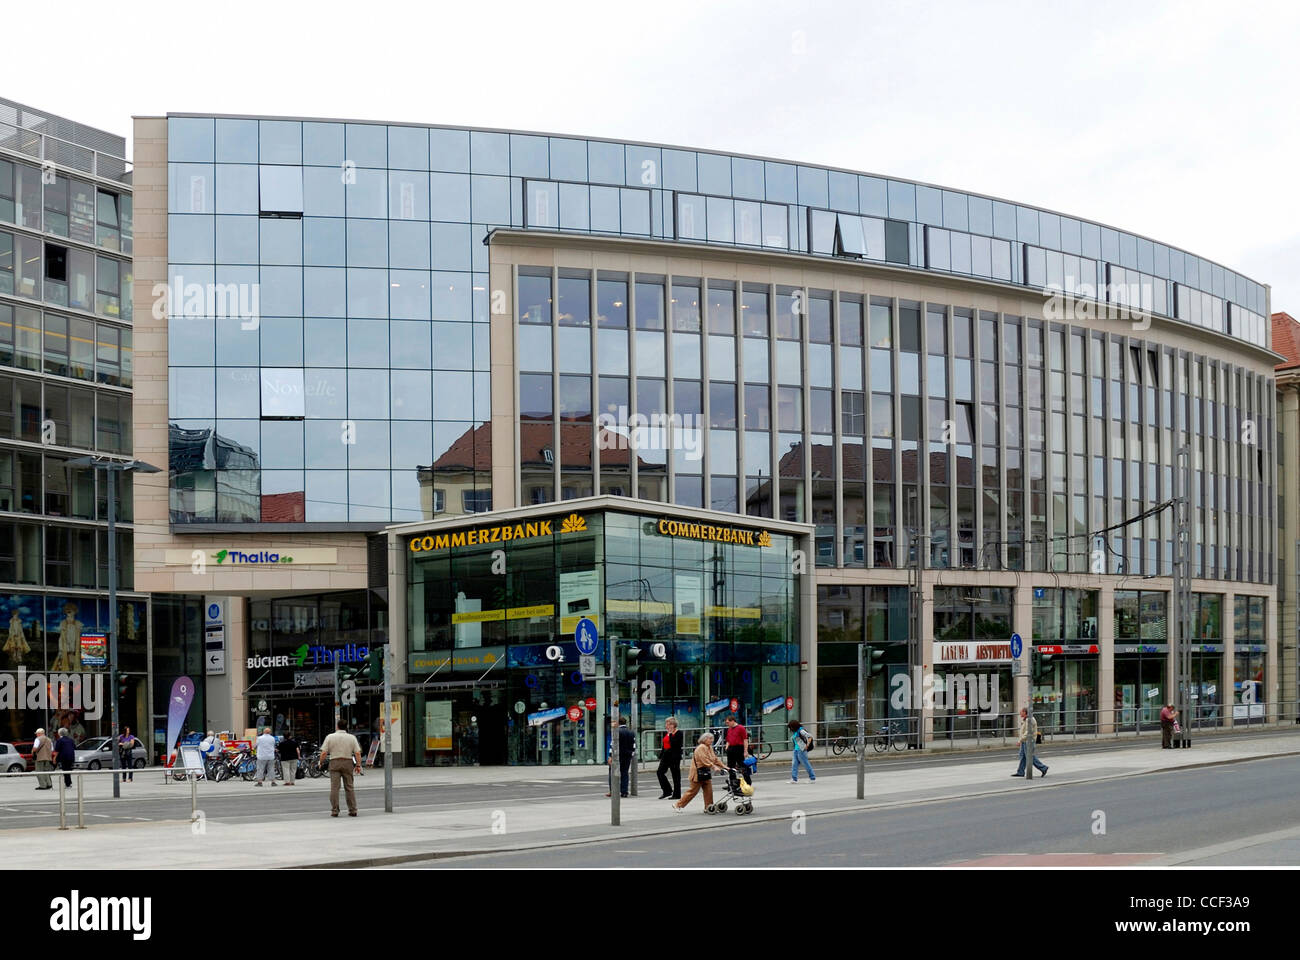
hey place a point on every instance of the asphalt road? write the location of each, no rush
(22, 808)
(1145, 817)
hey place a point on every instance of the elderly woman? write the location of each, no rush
(703, 763)
(670, 761)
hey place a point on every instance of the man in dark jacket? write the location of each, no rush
(626, 750)
(670, 761)
(65, 754)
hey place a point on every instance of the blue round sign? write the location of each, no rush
(586, 637)
(1017, 646)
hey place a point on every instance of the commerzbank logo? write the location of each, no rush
(237, 557)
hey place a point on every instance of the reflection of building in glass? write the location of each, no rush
(217, 477)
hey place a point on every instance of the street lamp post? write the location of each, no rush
(112, 468)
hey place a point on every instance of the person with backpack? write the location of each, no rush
(803, 742)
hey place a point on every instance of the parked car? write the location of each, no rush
(11, 759)
(96, 752)
(24, 748)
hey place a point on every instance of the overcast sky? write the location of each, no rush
(1175, 120)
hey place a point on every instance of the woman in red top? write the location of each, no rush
(670, 761)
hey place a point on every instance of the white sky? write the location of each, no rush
(1175, 120)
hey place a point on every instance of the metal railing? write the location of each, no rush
(74, 156)
(1054, 723)
(59, 774)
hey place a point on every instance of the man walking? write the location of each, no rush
(65, 753)
(43, 754)
(737, 746)
(289, 754)
(343, 754)
(266, 756)
(626, 751)
(1028, 728)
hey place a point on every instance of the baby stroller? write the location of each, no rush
(736, 792)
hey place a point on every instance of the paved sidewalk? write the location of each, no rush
(416, 832)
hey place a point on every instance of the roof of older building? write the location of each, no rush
(1286, 340)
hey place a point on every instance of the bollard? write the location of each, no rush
(194, 797)
(81, 806)
(63, 809)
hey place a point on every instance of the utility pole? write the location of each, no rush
(388, 734)
(338, 706)
(1029, 739)
(636, 733)
(1182, 631)
(613, 736)
(112, 627)
(862, 720)
(915, 643)
(111, 468)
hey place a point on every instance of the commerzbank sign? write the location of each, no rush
(499, 533)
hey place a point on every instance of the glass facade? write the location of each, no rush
(1100, 414)
(66, 372)
(303, 636)
(328, 358)
(492, 613)
(364, 244)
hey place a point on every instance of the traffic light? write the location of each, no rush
(375, 664)
(627, 661)
(875, 662)
(122, 686)
(1040, 666)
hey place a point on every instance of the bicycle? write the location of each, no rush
(890, 735)
(841, 744)
(761, 749)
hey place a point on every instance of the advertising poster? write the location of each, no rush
(579, 597)
(546, 716)
(688, 597)
(19, 616)
(94, 650)
(437, 725)
(392, 713)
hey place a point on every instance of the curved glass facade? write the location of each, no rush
(356, 363)
(1004, 442)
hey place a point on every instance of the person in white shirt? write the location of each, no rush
(43, 753)
(266, 757)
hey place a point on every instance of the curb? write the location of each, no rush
(740, 821)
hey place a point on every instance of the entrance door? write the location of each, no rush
(491, 735)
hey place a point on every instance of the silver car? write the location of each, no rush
(96, 752)
(11, 761)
